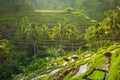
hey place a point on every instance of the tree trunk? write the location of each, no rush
(72, 43)
(34, 49)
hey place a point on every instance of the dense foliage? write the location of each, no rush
(104, 30)
(15, 6)
(94, 9)
(40, 36)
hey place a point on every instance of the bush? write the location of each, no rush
(32, 70)
(69, 10)
(42, 52)
(12, 63)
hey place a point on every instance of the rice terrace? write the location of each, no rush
(60, 40)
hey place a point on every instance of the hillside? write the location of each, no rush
(59, 40)
(49, 18)
(13, 6)
(100, 65)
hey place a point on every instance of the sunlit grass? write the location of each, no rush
(50, 11)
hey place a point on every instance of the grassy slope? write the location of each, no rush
(52, 19)
(49, 17)
(95, 65)
(8, 22)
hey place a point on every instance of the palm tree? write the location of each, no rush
(44, 31)
(33, 36)
(111, 24)
(28, 33)
(24, 26)
(54, 34)
(62, 30)
(58, 33)
(72, 33)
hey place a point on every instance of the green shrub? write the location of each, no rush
(69, 10)
(12, 64)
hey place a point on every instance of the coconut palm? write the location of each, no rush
(72, 33)
(58, 33)
(54, 34)
(111, 24)
(44, 31)
(33, 36)
(24, 26)
(28, 33)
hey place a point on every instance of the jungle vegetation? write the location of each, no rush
(40, 36)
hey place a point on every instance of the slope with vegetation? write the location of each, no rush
(77, 40)
(100, 65)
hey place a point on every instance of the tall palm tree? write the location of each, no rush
(62, 28)
(44, 31)
(72, 33)
(33, 36)
(111, 24)
(54, 34)
(24, 26)
(58, 33)
(28, 33)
